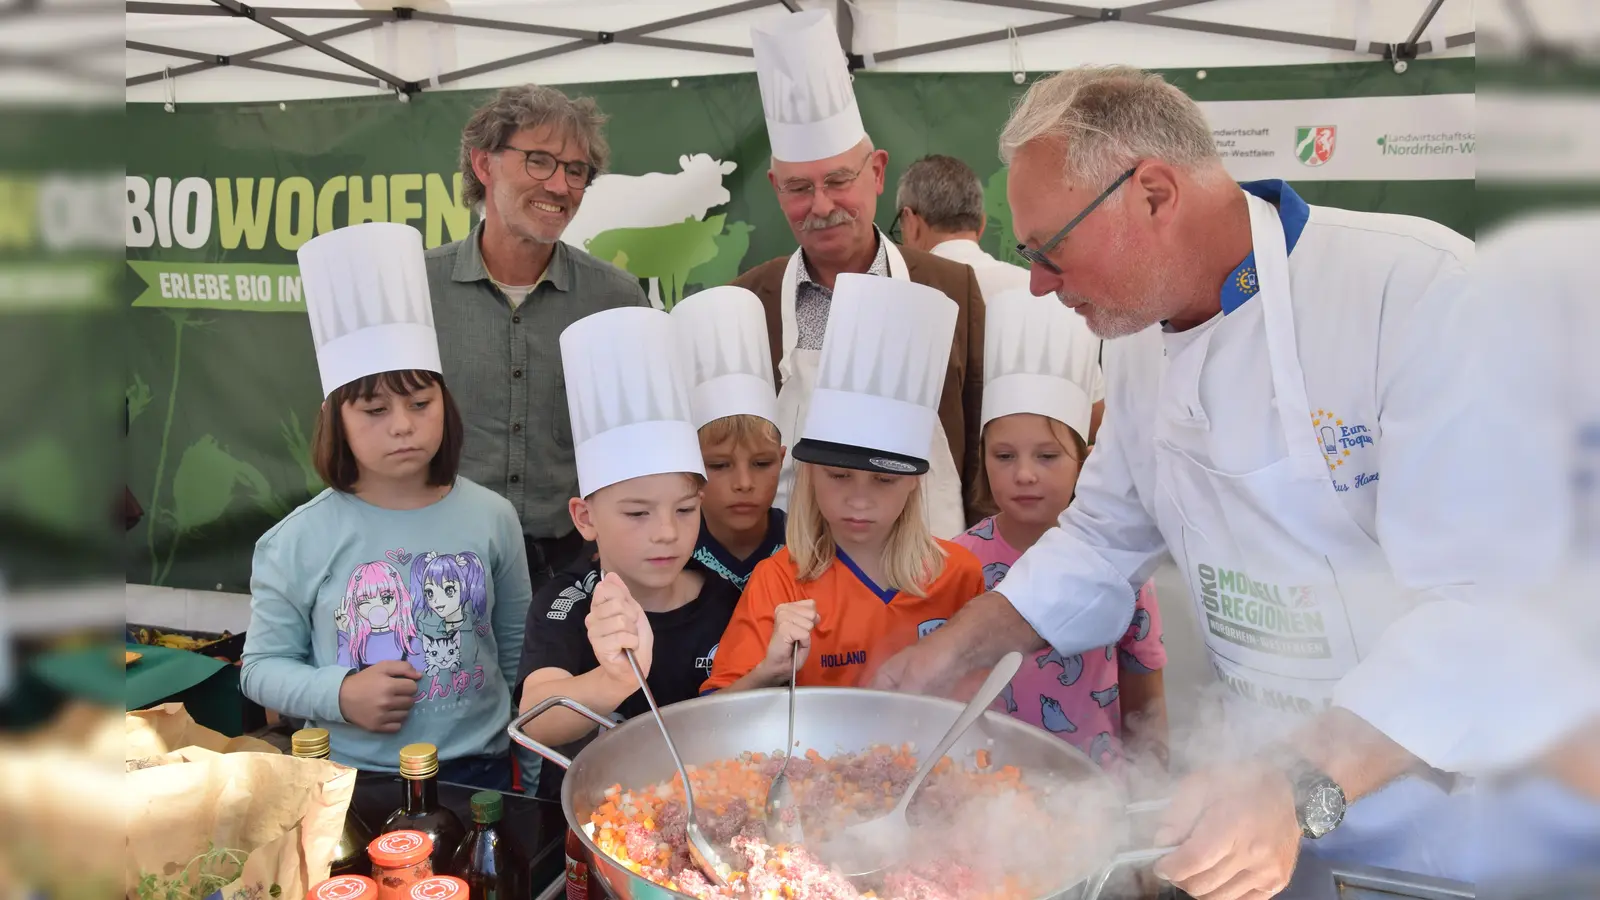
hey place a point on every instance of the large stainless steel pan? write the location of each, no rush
(722, 726)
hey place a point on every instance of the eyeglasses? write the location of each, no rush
(540, 166)
(1038, 257)
(894, 226)
(833, 183)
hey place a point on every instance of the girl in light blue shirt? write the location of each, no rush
(389, 609)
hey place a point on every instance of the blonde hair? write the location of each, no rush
(749, 432)
(1109, 118)
(983, 495)
(912, 559)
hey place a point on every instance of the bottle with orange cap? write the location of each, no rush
(419, 767)
(350, 856)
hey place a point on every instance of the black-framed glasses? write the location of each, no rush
(894, 226)
(1038, 257)
(541, 165)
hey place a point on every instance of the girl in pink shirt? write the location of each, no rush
(1039, 394)
(1097, 700)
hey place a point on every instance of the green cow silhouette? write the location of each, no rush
(997, 209)
(732, 244)
(666, 252)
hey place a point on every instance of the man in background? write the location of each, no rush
(828, 175)
(503, 295)
(939, 206)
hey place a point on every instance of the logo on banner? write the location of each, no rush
(1313, 144)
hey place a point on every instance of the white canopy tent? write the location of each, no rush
(228, 51)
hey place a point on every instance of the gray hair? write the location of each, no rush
(514, 109)
(1110, 117)
(944, 191)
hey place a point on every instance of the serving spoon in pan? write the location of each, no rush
(867, 848)
(704, 854)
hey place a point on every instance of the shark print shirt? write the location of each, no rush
(340, 586)
(1073, 697)
(717, 559)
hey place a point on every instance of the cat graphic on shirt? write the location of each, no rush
(450, 597)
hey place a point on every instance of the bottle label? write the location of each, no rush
(577, 879)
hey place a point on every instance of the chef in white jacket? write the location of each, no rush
(1291, 413)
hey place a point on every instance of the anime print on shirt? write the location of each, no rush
(435, 619)
(1073, 697)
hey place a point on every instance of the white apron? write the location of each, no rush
(797, 377)
(1275, 548)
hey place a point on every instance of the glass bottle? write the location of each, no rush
(350, 856)
(419, 766)
(577, 867)
(485, 862)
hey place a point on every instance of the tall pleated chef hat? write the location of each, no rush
(722, 338)
(806, 94)
(882, 371)
(366, 290)
(1027, 363)
(628, 398)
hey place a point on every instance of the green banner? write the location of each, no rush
(236, 287)
(219, 198)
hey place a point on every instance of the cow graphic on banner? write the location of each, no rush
(1313, 144)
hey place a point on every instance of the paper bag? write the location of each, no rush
(240, 825)
(162, 729)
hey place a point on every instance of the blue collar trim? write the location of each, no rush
(883, 594)
(1293, 212)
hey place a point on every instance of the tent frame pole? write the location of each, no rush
(1071, 16)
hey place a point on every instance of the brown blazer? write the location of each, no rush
(961, 404)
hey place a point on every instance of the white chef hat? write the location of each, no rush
(884, 358)
(722, 338)
(806, 92)
(366, 290)
(627, 398)
(1027, 361)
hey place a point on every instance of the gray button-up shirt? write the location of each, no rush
(503, 367)
(813, 302)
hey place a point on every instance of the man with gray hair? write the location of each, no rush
(940, 211)
(503, 295)
(1287, 416)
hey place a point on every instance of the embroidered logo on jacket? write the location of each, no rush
(1341, 441)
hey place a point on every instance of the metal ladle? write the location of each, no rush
(870, 847)
(701, 850)
(782, 815)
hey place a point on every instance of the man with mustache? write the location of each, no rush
(1289, 402)
(828, 175)
(503, 295)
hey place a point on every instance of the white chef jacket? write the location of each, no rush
(1388, 348)
(996, 277)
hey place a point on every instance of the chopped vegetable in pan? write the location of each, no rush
(645, 830)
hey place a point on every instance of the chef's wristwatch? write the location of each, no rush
(1319, 802)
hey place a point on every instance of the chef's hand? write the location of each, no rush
(1236, 830)
(923, 668)
(791, 624)
(616, 622)
(379, 698)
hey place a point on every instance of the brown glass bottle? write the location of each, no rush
(485, 861)
(350, 856)
(419, 764)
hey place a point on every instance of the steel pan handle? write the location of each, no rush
(539, 709)
(1130, 858)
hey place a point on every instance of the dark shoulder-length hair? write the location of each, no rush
(330, 447)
